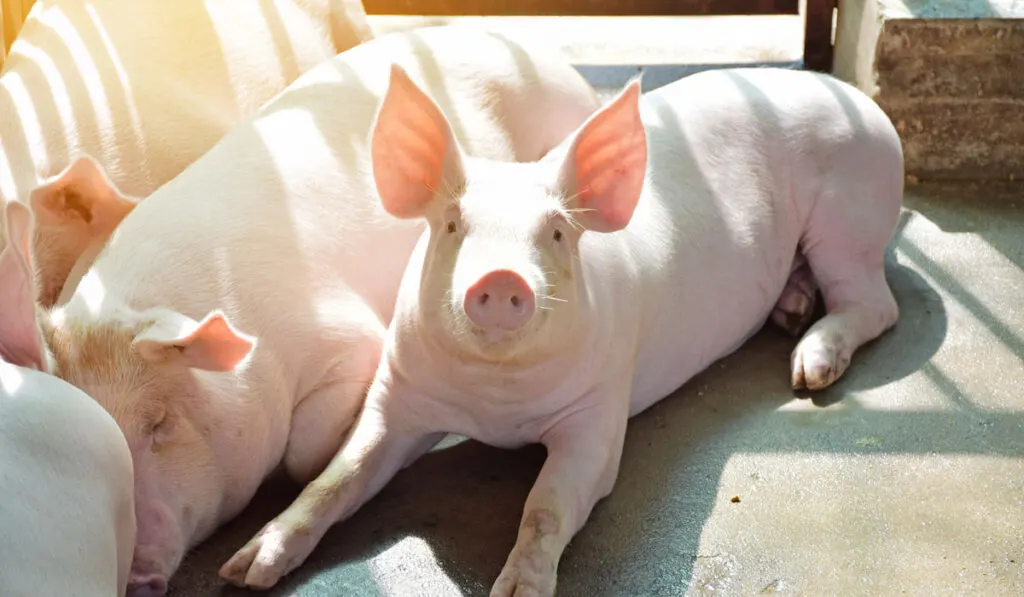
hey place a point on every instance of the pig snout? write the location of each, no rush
(500, 301)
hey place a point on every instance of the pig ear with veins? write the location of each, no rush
(606, 162)
(21, 342)
(81, 200)
(413, 149)
(212, 344)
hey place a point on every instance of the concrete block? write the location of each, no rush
(949, 73)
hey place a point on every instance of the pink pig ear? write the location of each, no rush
(212, 344)
(21, 342)
(75, 210)
(81, 199)
(413, 149)
(603, 172)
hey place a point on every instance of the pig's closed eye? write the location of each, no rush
(452, 227)
(158, 428)
(557, 235)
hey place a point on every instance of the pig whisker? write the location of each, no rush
(450, 190)
(570, 213)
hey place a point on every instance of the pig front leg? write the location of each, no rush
(582, 464)
(381, 442)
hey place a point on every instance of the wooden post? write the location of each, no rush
(818, 35)
(12, 17)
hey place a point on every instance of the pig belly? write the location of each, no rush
(717, 242)
(702, 326)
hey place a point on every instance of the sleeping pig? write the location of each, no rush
(550, 302)
(235, 318)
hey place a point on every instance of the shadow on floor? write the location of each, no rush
(464, 501)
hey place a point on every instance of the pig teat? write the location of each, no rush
(500, 300)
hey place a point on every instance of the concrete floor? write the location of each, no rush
(906, 477)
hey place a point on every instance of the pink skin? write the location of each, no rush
(159, 540)
(615, 246)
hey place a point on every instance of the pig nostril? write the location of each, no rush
(514, 300)
(484, 298)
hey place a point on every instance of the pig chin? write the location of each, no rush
(490, 344)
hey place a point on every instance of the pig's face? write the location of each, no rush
(159, 402)
(500, 275)
(499, 271)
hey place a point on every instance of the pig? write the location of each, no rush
(549, 302)
(235, 318)
(67, 519)
(144, 87)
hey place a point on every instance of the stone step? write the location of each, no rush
(950, 73)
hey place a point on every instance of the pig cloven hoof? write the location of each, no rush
(817, 364)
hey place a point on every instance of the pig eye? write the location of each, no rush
(451, 227)
(157, 426)
(557, 235)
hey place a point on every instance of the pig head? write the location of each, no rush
(165, 366)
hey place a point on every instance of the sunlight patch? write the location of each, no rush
(66, 31)
(61, 96)
(122, 75)
(92, 291)
(409, 567)
(10, 378)
(29, 119)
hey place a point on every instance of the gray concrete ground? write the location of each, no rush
(906, 477)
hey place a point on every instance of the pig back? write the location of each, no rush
(737, 161)
(147, 86)
(279, 224)
(67, 484)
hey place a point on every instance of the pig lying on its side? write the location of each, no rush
(276, 230)
(67, 523)
(549, 302)
(145, 87)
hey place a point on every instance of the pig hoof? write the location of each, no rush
(526, 575)
(816, 364)
(266, 558)
(793, 313)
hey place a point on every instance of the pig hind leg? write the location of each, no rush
(322, 419)
(795, 308)
(845, 246)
